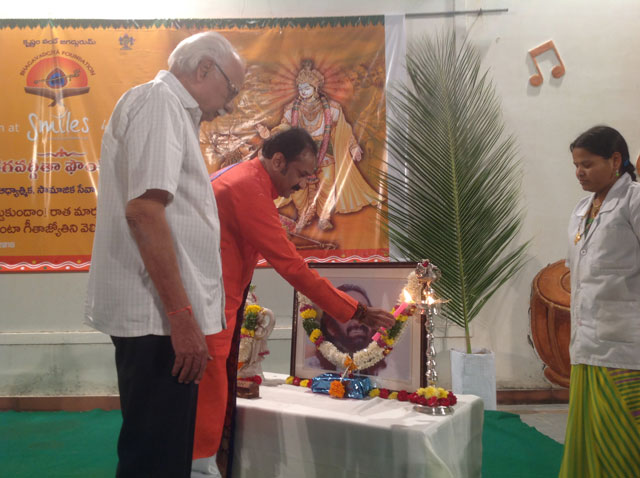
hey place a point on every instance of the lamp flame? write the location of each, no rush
(430, 298)
(407, 297)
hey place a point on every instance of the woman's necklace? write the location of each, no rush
(590, 216)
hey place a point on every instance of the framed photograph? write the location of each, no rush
(377, 285)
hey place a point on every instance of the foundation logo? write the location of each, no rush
(57, 78)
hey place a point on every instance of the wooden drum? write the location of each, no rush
(551, 321)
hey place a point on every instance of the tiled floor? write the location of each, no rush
(548, 419)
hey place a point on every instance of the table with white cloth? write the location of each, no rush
(292, 432)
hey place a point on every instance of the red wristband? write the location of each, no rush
(187, 308)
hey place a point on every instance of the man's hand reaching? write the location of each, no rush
(376, 318)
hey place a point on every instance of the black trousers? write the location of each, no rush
(158, 413)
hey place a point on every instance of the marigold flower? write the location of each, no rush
(348, 363)
(430, 391)
(374, 392)
(421, 392)
(296, 381)
(289, 380)
(247, 332)
(309, 314)
(304, 383)
(393, 396)
(432, 402)
(442, 393)
(252, 309)
(403, 396)
(336, 389)
(384, 393)
(402, 318)
(314, 335)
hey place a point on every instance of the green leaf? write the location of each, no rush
(454, 187)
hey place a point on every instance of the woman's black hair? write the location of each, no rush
(604, 141)
(290, 143)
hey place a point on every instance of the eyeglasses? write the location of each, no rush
(233, 89)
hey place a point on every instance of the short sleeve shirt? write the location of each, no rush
(151, 142)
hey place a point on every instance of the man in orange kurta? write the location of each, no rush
(249, 227)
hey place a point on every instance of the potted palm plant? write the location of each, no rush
(454, 186)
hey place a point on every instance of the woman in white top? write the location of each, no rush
(603, 429)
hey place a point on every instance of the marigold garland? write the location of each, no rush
(381, 343)
(248, 332)
(426, 396)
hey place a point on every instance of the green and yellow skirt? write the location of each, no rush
(603, 427)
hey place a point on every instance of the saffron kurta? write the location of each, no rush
(249, 227)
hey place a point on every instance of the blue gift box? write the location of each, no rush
(357, 386)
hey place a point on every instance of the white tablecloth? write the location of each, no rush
(293, 432)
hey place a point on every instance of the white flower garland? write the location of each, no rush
(381, 343)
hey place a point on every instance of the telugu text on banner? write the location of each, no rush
(63, 78)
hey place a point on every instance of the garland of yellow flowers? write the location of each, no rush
(426, 396)
(381, 343)
(248, 332)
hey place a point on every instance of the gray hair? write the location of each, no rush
(190, 51)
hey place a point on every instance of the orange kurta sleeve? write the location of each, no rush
(263, 230)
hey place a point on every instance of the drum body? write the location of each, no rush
(551, 321)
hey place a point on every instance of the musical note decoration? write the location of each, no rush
(557, 71)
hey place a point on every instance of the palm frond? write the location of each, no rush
(456, 186)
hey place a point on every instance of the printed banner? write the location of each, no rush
(62, 79)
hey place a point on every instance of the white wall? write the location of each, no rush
(45, 349)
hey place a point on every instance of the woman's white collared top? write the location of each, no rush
(605, 279)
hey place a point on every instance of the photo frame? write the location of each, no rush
(381, 285)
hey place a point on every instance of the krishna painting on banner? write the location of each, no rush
(329, 80)
(64, 77)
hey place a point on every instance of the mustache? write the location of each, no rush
(358, 327)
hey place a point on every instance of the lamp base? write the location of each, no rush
(436, 411)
